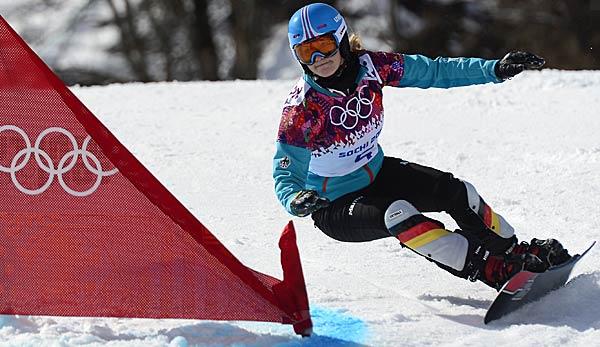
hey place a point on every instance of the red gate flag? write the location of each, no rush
(87, 230)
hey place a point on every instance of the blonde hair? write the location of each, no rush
(355, 43)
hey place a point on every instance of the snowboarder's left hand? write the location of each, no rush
(307, 202)
(515, 62)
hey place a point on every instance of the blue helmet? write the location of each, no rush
(314, 20)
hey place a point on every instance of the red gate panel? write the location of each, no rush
(86, 230)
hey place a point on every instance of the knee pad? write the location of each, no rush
(426, 236)
(491, 219)
(398, 216)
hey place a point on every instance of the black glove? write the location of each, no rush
(515, 62)
(307, 202)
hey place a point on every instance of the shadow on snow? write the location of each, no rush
(574, 305)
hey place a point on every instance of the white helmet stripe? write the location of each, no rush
(304, 28)
(312, 33)
(341, 30)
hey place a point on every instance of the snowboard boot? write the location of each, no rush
(550, 251)
(496, 270)
(537, 256)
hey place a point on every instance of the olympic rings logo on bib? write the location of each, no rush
(45, 163)
(348, 117)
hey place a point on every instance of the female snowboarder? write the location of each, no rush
(329, 165)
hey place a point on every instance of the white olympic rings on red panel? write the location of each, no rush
(44, 162)
(351, 114)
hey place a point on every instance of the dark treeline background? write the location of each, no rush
(158, 40)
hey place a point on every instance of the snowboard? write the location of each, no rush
(526, 287)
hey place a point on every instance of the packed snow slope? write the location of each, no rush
(531, 146)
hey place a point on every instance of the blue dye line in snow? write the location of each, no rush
(337, 324)
(332, 328)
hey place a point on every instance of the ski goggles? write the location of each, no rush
(322, 46)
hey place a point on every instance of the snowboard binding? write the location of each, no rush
(535, 256)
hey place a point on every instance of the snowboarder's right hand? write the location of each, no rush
(515, 62)
(307, 202)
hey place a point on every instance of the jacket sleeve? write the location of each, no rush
(290, 168)
(299, 128)
(423, 72)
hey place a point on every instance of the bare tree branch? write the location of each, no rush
(130, 43)
(202, 41)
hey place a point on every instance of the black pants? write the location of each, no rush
(359, 216)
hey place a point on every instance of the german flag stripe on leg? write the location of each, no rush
(421, 234)
(426, 238)
(430, 240)
(491, 218)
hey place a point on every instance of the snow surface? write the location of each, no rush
(530, 146)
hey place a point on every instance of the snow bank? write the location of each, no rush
(530, 146)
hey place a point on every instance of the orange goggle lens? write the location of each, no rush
(323, 46)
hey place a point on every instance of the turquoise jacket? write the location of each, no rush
(327, 141)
